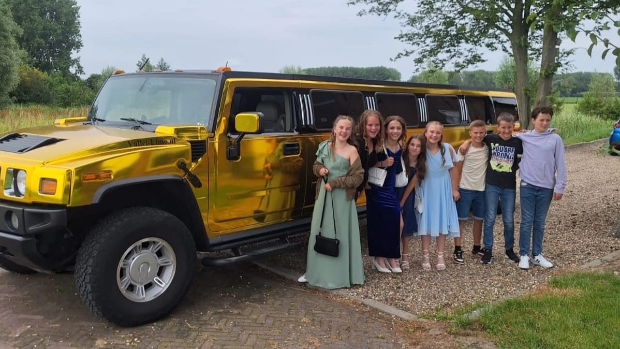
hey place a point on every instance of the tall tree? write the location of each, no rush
(51, 34)
(456, 31)
(9, 54)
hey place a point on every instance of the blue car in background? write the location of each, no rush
(614, 139)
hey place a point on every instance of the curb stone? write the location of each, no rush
(292, 275)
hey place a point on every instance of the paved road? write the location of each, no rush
(239, 308)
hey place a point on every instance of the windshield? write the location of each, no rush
(155, 99)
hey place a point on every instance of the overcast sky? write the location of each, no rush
(255, 35)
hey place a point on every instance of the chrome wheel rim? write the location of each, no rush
(146, 269)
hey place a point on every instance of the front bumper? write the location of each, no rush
(20, 244)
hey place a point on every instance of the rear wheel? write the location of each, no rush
(135, 266)
(8, 265)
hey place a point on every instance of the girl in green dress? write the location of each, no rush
(339, 163)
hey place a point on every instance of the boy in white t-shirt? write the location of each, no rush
(471, 169)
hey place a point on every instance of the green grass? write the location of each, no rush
(17, 117)
(575, 127)
(570, 100)
(579, 310)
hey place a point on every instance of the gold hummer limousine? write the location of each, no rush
(171, 167)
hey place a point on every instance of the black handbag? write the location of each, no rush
(325, 245)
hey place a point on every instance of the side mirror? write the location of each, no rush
(249, 123)
(245, 123)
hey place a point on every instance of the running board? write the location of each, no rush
(250, 254)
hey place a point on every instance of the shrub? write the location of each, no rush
(32, 87)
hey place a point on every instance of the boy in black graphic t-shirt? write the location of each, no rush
(501, 177)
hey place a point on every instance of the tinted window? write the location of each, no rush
(270, 102)
(445, 109)
(401, 104)
(478, 109)
(506, 105)
(327, 105)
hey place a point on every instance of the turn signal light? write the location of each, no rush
(47, 186)
(97, 176)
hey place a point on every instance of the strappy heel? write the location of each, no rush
(426, 260)
(404, 264)
(441, 264)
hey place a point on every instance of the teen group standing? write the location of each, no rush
(422, 186)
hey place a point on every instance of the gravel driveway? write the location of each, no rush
(578, 231)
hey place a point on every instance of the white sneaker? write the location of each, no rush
(524, 262)
(302, 279)
(541, 261)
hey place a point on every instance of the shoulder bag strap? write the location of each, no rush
(323, 212)
(324, 180)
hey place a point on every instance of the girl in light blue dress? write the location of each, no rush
(438, 218)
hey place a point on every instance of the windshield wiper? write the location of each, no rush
(141, 122)
(93, 120)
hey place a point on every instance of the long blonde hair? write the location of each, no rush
(332, 137)
(440, 144)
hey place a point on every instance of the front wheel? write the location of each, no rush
(135, 266)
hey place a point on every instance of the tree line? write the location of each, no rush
(39, 43)
(572, 84)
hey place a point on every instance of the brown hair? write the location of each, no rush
(505, 117)
(420, 165)
(477, 123)
(361, 126)
(332, 137)
(441, 148)
(541, 110)
(403, 124)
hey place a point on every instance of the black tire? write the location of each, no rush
(14, 267)
(98, 265)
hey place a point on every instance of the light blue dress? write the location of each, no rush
(439, 214)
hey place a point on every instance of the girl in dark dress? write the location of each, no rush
(414, 155)
(384, 221)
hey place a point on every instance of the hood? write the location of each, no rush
(49, 144)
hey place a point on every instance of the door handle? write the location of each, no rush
(291, 149)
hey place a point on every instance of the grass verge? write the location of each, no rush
(574, 127)
(578, 310)
(17, 117)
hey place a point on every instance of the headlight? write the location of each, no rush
(20, 182)
(15, 183)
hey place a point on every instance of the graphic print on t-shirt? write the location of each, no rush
(502, 157)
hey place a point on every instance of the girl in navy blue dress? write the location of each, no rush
(384, 221)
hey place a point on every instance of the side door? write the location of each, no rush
(318, 109)
(263, 186)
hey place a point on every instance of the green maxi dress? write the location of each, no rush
(347, 269)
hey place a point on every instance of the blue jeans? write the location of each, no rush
(492, 195)
(535, 202)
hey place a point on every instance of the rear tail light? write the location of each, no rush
(617, 125)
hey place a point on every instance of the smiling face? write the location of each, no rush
(343, 130)
(394, 130)
(505, 129)
(414, 147)
(433, 134)
(372, 126)
(542, 122)
(477, 134)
